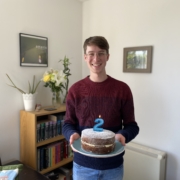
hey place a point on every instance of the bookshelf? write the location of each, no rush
(28, 137)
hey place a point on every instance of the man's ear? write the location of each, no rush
(85, 57)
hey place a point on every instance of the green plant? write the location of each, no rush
(67, 73)
(32, 89)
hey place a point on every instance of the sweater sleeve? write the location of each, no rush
(71, 124)
(129, 131)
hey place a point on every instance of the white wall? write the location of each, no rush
(157, 94)
(58, 20)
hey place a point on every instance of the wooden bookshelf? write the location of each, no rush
(28, 137)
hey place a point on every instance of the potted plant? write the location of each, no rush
(30, 96)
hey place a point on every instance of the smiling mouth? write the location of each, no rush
(96, 65)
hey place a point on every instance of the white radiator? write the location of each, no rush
(143, 163)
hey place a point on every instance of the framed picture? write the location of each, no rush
(33, 50)
(137, 59)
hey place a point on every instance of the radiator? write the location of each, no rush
(143, 163)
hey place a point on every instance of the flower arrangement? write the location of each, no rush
(54, 79)
(32, 88)
(58, 81)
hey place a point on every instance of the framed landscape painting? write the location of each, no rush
(33, 50)
(137, 59)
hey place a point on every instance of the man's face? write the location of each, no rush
(96, 59)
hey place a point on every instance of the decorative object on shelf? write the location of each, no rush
(54, 79)
(29, 98)
(66, 71)
(137, 59)
(29, 101)
(38, 107)
(56, 99)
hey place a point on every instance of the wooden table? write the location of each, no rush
(27, 173)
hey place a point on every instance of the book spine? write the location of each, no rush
(58, 127)
(41, 159)
(62, 122)
(46, 130)
(58, 152)
(53, 155)
(42, 131)
(65, 149)
(54, 128)
(38, 132)
(50, 155)
(61, 150)
(46, 157)
(38, 159)
(51, 129)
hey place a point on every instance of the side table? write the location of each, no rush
(27, 173)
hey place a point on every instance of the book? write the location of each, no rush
(54, 128)
(38, 132)
(41, 159)
(50, 129)
(59, 127)
(53, 155)
(42, 131)
(46, 157)
(49, 160)
(62, 123)
(65, 151)
(61, 150)
(9, 174)
(59, 118)
(38, 159)
(57, 152)
(46, 130)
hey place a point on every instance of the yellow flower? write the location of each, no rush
(46, 78)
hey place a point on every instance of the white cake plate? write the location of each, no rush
(119, 148)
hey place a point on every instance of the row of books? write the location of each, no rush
(50, 128)
(52, 154)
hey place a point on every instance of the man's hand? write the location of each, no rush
(73, 137)
(121, 139)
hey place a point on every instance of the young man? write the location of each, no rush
(99, 94)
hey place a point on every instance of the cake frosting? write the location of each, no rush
(98, 142)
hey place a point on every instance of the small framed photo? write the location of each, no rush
(137, 59)
(33, 50)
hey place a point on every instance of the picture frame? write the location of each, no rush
(33, 50)
(137, 59)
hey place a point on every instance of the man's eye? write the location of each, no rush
(91, 54)
(100, 54)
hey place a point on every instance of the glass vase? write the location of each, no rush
(56, 99)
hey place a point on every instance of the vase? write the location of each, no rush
(64, 100)
(56, 99)
(29, 101)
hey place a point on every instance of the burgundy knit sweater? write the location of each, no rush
(112, 99)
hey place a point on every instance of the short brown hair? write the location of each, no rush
(99, 41)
